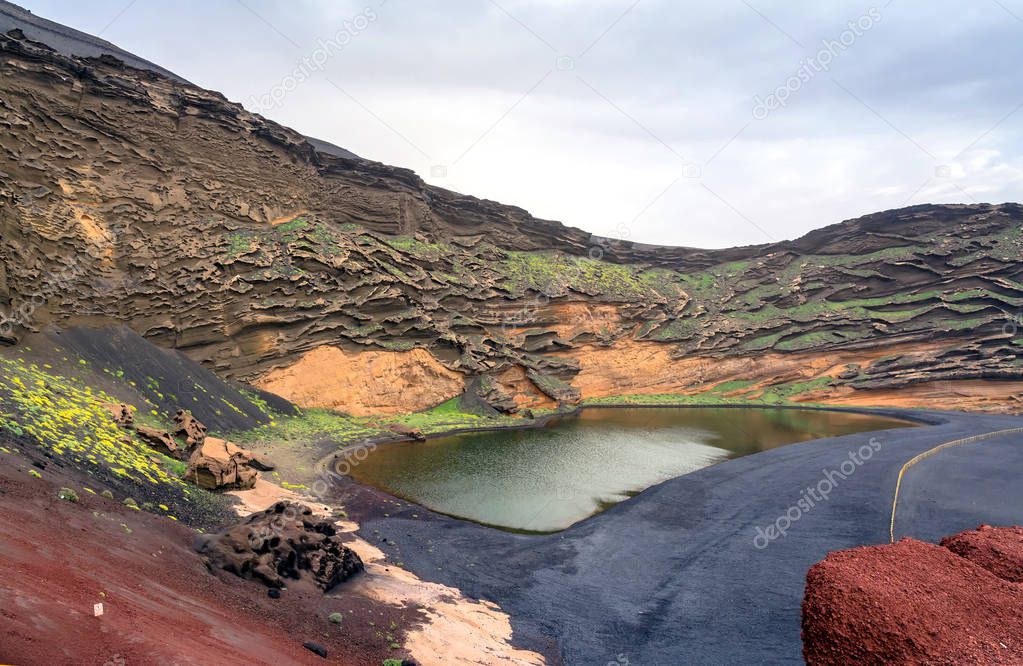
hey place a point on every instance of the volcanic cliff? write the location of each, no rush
(128, 196)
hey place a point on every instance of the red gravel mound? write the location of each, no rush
(912, 603)
(997, 549)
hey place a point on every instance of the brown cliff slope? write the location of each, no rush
(130, 197)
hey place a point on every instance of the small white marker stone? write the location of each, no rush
(97, 610)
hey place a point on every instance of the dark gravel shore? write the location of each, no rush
(678, 575)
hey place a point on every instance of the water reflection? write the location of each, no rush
(546, 479)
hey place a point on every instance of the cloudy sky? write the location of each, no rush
(687, 123)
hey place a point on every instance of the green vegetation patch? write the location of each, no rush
(420, 249)
(552, 273)
(68, 418)
(724, 393)
(309, 425)
(449, 416)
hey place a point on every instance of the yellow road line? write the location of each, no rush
(930, 452)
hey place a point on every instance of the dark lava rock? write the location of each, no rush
(485, 396)
(284, 542)
(316, 648)
(273, 593)
(407, 431)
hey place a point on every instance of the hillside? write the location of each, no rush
(130, 197)
(213, 329)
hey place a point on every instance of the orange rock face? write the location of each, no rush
(365, 383)
(645, 368)
(967, 395)
(386, 382)
(523, 391)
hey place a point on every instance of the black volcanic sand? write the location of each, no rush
(166, 377)
(673, 575)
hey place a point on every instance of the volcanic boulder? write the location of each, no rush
(284, 542)
(123, 414)
(218, 465)
(407, 431)
(189, 427)
(161, 440)
(918, 603)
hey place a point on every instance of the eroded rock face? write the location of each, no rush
(161, 440)
(203, 227)
(189, 428)
(486, 394)
(917, 603)
(123, 414)
(220, 465)
(285, 542)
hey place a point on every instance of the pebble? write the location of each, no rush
(273, 593)
(316, 648)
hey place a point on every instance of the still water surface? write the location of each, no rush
(545, 479)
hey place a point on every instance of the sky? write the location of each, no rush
(705, 124)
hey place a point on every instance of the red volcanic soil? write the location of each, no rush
(997, 549)
(161, 604)
(913, 602)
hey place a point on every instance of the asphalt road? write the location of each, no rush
(677, 574)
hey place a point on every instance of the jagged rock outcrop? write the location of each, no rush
(187, 435)
(285, 542)
(917, 603)
(161, 440)
(217, 464)
(485, 394)
(130, 197)
(122, 413)
(189, 428)
(407, 431)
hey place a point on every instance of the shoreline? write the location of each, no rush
(920, 417)
(641, 563)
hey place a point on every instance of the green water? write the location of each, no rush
(543, 480)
